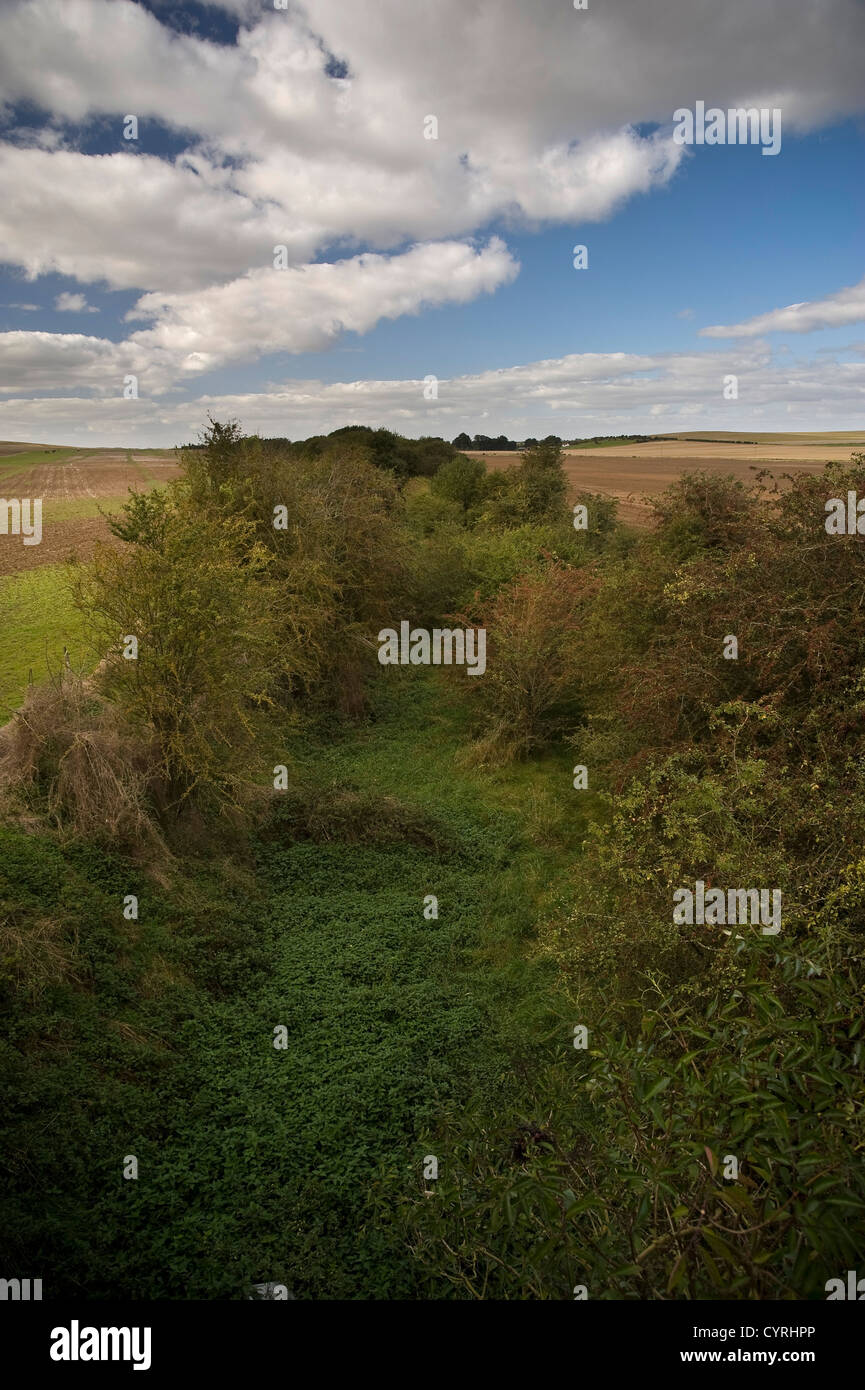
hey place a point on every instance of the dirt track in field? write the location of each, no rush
(629, 472)
(84, 477)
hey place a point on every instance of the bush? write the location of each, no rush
(193, 589)
(69, 754)
(529, 693)
(460, 480)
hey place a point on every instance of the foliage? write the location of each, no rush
(193, 589)
(529, 693)
(413, 1035)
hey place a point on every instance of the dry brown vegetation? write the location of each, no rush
(68, 754)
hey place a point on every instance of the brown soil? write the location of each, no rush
(58, 542)
(91, 475)
(629, 472)
(74, 478)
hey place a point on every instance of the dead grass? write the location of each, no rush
(67, 753)
(37, 955)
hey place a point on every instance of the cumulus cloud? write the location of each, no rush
(298, 309)
(31, 361)
(835, 311)
(67, 303)
(133, 221)
(581, 394)
(529, 123)
(309, 132)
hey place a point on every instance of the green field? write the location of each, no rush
(37, 620)
(785, 437)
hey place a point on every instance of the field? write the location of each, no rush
(77, 487)
(630, 472)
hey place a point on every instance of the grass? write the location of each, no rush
(37, 620)
(256, 1163)
(141, 468)
(607, 443)
(79, 508)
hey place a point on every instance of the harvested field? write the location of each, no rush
(629, 472)
(103, 474)
(60, 540)
(73, 488)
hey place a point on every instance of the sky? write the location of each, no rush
(307, 215)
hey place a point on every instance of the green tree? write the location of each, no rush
(193, 589)
(460, 480)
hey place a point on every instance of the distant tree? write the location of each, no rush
(462, 441)
(541, 483)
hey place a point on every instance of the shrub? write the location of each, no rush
(529, 693)
(70, 755)
(193, 589)
(460, 480)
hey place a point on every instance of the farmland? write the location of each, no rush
(77, 487)
(630, 472)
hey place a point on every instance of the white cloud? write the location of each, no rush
(300, 309)
(312, 161)
(530, 124)
(581, 394)
(67, 303)
(131, 220)
(540, 112)
(32, 361)
(835, 311)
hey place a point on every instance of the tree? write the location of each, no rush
(460, 480)
(462, 441)
(541, 483)
(192, 588)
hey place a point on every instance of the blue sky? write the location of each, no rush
(409, 257)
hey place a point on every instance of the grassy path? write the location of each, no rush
(386, 1014)
(256, 1163)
